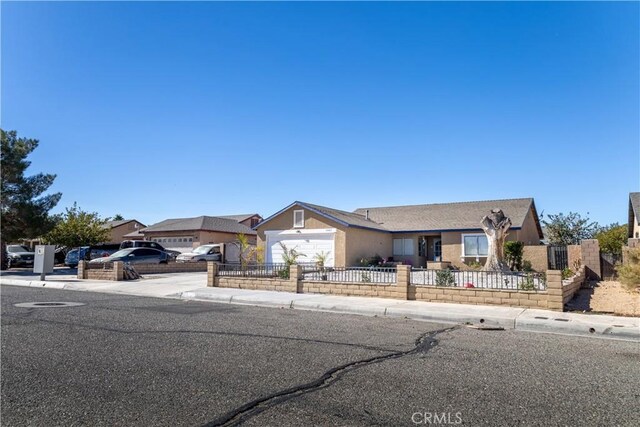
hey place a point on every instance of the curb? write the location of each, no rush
(522, 319)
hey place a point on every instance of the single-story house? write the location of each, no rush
(119, 229)
(448, 232)
(634, 216)
(187, 233)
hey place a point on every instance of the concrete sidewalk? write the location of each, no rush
(192, 286)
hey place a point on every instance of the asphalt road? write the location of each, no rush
(124, 360)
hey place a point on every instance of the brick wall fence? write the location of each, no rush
(553, 298)
(114, 271)
(591, 258)
(537, 256)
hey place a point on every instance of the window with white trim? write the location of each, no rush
(474, 245)
(402, 247)
(298, 219)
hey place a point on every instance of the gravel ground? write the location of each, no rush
(607, 297)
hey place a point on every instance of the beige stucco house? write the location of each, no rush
(448, 232)
(186, 233)
(121, 229)
(634, 216)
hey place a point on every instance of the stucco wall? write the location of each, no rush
(537, 256)
(362, 243)
(529, 232)
(117, 233)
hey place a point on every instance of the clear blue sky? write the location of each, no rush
(159, 110)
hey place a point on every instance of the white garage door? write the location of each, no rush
(309, 243)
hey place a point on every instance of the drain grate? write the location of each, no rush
(48, 304)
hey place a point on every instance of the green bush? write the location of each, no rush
(474, 265)
(513, 255)
(566, 273)
(629, 272)
(366, 277)
(527, 267)
(445, 278)
(528, 284)
(371, 261)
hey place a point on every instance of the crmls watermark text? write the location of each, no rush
(437, 418)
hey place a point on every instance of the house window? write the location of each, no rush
(402, 247)
(474, 245)
(298, 219)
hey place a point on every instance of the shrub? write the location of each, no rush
(513, 255)
(629, 272)
(371, 261)
(527, 267)
(474, 265)
(366, 277)
(445, 278)
(528, 284)
(566, 273)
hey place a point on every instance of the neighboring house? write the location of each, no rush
(416, 234)
(187, 233)
(119, 229)
(634, 215)
(250, 220)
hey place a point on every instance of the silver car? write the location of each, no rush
(135, 256)
(202, 253)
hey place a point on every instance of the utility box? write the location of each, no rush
(44, 259)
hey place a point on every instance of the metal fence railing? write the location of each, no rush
(350, 274)
(254, 270)
(521, 281)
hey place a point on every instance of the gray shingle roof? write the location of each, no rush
(350, 218)
(634, 211)
(207, 223)
(112, 224)
(447, 216)
(238, 218)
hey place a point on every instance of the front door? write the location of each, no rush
(437, 249)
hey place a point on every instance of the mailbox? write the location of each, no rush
(44, 259)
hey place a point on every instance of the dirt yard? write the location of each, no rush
(610, 297)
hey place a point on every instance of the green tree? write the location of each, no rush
(117, 217)
(24, 208)
(612, 238)
(78, 228)
(569, 229)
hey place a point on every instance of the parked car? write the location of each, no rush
(202, 253)
(19, 256)
(72, 258)
(135, 256)
(147, 244)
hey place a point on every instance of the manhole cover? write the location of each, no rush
(48, 304)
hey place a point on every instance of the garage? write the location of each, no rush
(307, 242)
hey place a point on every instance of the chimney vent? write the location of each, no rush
(366, 215)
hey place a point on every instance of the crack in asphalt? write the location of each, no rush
(26, 316)
(423, 344)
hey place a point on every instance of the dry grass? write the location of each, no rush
(613, 297)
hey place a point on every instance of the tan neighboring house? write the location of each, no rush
(187, 233)
(121, 229)
(447, 232)
(634, 216)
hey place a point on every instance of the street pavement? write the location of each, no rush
(132, 360)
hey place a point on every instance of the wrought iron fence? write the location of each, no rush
(350, 274)
(557, 257)
(254, 270)
(479, 279)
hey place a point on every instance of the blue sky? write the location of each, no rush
(158, 110)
